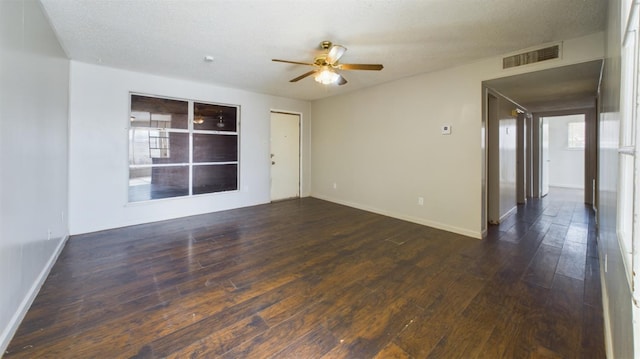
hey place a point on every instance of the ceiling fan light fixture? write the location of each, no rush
(220, 118)
(198, 120)
(327, 77)
(220, 124)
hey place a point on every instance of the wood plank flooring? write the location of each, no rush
(311, 279)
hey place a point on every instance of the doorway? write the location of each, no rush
(502, 161)
(563, 140)
(285, 155)
(544, 157)
(555, 91)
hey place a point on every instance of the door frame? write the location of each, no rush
(300, 147)
(590, 150)
(544, 160)
(522, 124)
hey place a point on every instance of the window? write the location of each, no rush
(629, 178)
(576, 137)
(181, 148)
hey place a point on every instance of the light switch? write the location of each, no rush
(446, 129)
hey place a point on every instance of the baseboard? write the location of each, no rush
(10, 330)
(608, 339)
(566, 186)
(437, 225)
(509, 212)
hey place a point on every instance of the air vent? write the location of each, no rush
(530, 57)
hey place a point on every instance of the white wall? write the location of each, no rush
(99, 116)
(34, 91)
(566, 168)
(383, 148)
(617, 297)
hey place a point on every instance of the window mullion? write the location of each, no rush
(190, 126)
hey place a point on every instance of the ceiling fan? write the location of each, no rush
(326, 64)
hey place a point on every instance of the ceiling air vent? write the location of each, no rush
(530, 57)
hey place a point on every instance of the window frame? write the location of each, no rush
(628, 194)
(190, 131)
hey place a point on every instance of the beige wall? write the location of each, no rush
(617, 295)
(383, 149)
(33, 157)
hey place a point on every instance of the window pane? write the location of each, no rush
(215, 178)
(158, 182)
(215, 148)
(154, 146)
(627, 94)
(158, 112)
(214, 117)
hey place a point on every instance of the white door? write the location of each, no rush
(285, 156)
(544, 157)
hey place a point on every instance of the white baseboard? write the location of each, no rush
(509, 212)
(10, 330)
(566, 186)
(608, 339)
(437, 225)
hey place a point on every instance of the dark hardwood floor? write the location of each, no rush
(311, 279)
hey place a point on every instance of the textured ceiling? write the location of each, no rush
(409, 37)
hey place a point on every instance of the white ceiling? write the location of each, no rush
(171, 37)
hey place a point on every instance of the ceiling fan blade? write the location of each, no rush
(372, 67)
(293, 62)
(335, 53)
(341, 80)
(303, 76)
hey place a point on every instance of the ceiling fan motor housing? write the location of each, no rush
(321, 60)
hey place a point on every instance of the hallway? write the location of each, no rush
(554, 239)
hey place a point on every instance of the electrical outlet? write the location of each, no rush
(421, 201)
